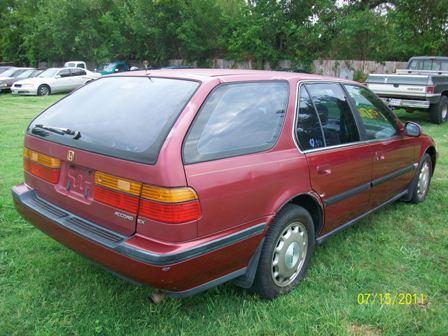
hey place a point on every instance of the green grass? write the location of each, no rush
(46, 289)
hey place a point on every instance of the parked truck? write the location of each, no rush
(423, 85)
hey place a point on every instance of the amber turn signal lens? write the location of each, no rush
(40, 158)
(168, 195)
(41, 165)
(118, 183)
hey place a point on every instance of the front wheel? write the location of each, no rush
(286, 252)
(43, 90)
(439, 112)
(422, 180)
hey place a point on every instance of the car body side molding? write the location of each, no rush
(352, 192)
(321, 239)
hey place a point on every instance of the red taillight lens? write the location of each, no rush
(116, 199)
(41, 165)
(48, 174)
(430, 89)
(170, 212)
(169, 205)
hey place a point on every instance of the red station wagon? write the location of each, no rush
(186, 179)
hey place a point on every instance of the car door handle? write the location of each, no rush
(324, 169)
(379, 156)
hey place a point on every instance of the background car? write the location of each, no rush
(113, 67)
(5, 84)
(75, 64)
(13, 72)
(54, 80)
(4, 68)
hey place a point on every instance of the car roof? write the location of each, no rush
(230, 75)
(65, 68)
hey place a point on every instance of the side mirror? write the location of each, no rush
(412, 129)
(57, 76)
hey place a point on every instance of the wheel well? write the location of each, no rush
(432, 153)
(309, 203)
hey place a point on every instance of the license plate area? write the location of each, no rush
(78, 182)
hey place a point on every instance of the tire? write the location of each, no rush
(296, 224)
(422, 180)
(439, 112)
(43, 90)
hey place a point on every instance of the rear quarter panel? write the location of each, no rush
(249, 189)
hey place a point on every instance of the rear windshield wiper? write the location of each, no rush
(58, 130)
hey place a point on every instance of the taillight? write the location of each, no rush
(167, 205)
(41, 165)
(430, 89)
(117, 192)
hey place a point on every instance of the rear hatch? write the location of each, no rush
(92, 152)
(412, 86)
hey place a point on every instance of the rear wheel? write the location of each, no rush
(43, 90)
(286, 253)
(439, 112)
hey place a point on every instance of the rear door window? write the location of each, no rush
(308, 129)
(124, 117)
(78, 72)
(334, 112)
(237, 119)
(120, 68)
(64, 73)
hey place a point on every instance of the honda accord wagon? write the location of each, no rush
(185, 179)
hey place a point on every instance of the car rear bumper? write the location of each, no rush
(188, 269)
(398, 102)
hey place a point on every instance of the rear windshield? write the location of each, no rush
(124, 117)
(429, 64)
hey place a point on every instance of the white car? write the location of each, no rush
(54, 80)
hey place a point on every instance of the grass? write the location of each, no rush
(46, 289)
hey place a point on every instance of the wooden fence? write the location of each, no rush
(350, 69)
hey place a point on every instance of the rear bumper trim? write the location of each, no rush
(117, 242)
(396, 102)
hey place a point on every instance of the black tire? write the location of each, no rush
(264, 284)
(439, 112)
(43, 90)
(417, 195)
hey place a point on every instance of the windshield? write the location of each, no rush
(70, 65)
(124, 117)
(48, 73)
(8, 73)
(25, 74)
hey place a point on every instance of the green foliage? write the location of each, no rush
(259, 31)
